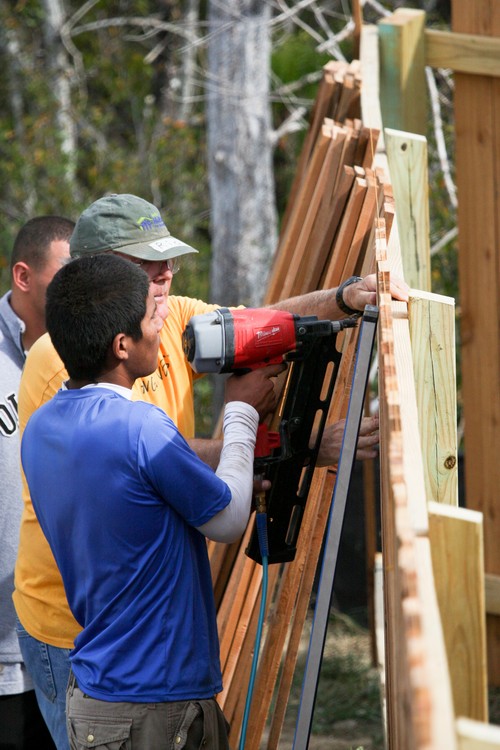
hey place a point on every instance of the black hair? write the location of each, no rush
(33, 240)
(89, 301)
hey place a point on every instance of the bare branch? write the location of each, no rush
(439, 135)
(378, 7)
(445, 240)
(290, 125)
(150, 24)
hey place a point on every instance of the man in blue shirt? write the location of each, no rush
(126, 505)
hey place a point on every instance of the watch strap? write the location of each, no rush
(339, 296)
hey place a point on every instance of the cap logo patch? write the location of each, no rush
(166, 243)
(148, 223)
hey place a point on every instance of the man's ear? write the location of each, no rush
(21, 276)
(120, 346)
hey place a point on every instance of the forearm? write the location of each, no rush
(208, 450)
(355, 296)
(236, 470)
(321, 303)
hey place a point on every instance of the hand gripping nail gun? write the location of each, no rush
(240, 340)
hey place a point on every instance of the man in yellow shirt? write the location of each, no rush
(131, 227)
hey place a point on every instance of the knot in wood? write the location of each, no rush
(450, 462)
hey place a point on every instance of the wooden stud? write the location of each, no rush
(402, 61)
(456, 537)
(432, 333)
(370, 92)
(473, 735)
(407, 159)
(462, 53)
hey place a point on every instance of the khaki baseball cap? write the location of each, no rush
(126, 224)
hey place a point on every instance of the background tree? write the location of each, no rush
(240, 168)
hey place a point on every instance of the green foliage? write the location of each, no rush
(125, 140)
(295, 57)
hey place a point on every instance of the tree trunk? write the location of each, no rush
(240, 173)
(60, 75)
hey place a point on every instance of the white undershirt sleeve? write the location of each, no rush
(236, 469)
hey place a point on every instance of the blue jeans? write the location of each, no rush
(49, 668)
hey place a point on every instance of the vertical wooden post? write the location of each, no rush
(403, 93)
(407, 159)
(477, 125)
(432, 334)
(456, 537)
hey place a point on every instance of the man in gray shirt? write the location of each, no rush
(40, 249)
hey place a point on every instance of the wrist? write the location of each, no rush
(339, 296)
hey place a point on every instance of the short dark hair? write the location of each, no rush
(33, 239)
(89, 301)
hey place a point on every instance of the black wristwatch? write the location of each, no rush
(339, 297)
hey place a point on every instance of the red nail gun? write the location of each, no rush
(238, 340)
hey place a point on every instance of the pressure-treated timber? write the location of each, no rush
(432, 333)
(403, 94)
(474, 735)
(419, 704)
(456, 537)
(462, 53)
(477, 129)
(407, 159)
(370, 92)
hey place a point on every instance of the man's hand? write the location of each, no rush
(364, 292)
(331, 443)
(255, 388)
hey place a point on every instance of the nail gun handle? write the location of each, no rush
(266, 441)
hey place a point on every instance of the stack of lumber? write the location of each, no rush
(327, 235)
(333, 180)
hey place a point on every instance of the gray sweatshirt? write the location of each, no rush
(12, 358)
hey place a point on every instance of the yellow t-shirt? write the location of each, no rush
(39, 596)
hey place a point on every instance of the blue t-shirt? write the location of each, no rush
(118, 493)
